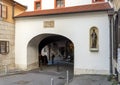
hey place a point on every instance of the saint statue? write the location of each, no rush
(94, 39)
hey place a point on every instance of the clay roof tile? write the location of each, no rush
(76, 9)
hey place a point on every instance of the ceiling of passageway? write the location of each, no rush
(54, 39)
(51, 39)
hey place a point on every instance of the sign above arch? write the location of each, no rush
(48, 24)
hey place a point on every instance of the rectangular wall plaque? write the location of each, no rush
(48, 24)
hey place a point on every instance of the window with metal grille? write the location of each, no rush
(37, 5)
(4, 47)
(59, 3)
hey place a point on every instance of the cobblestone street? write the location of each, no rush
(38, 77)
(32, 78)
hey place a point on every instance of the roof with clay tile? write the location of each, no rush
(76, 9)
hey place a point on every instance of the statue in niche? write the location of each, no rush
(94, 38)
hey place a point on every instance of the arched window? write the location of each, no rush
(94, 38)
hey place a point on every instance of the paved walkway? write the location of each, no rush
(90, 80)
(43, 77)
(32, 78)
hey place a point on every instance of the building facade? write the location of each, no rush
(83, 26)
(8, 9)
(116, 38)
(116, 4)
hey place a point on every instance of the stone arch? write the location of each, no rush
(38, 42)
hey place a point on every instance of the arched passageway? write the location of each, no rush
(51, 52)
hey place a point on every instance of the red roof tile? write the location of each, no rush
(75, 9)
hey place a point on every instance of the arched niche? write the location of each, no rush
(94, 39)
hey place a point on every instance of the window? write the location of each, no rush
(37, 5)
(4, 11)
(97, 1)
(59, 3)
(4, 47)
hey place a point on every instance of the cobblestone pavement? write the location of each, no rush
(32, 78)
(43, 77)
(38, 76)
(90, 80)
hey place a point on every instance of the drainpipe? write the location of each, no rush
(111, 40)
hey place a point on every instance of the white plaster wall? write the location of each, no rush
(77, 2)
(75, 27)
(49, 4)
(33, 55)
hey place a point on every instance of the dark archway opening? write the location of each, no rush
(57, 53)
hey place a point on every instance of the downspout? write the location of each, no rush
(111, 40)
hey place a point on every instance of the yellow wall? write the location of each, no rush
(17, 10)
